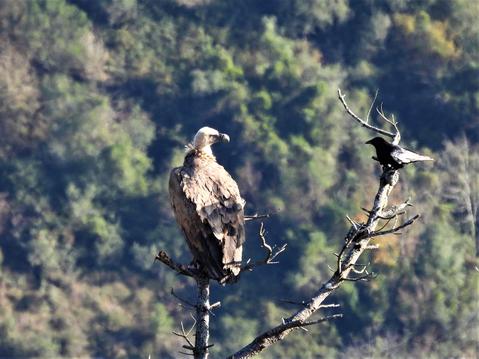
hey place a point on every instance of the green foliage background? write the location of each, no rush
(97, 100)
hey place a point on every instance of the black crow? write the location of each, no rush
(394, 156)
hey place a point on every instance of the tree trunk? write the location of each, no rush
(202, 318)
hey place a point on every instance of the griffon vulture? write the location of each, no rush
(209, 209)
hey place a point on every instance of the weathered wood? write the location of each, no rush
(202, 318)
(388, 180)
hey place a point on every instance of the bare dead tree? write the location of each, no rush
(202, 308)
(461, 186)
(356, 242)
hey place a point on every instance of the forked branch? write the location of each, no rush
(392, 122)
(366, 123)
(185, 335)
(393, 211)
(271, 252)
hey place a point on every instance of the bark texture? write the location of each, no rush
(202, 319)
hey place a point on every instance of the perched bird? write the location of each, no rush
(209, 209)
(394, 156)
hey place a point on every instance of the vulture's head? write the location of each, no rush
(206, 136)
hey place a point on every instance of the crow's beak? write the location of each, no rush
(223, 137)
(368, 142)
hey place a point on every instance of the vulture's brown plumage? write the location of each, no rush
(209, 209)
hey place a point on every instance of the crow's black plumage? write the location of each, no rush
(394, 156)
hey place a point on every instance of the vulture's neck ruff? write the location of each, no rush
(204, 152)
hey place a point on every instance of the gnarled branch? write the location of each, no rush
(356, 242)
(186, 336)
(365, 123)
(271, 252)
(163, 257)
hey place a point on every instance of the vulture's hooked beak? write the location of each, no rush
(223, 137)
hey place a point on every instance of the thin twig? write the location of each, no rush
(372, 105)
(269, 250)
(365, 278)
(271, 254)
(184, 301)
(256, 217)
(360, 120)
(185, 335)
(383, 116)
(394, 229)
(353, 232)
(332, 305)
(354, 224)
(339, 257)
(366, 210)
(330, 317)
(387, 222)
(393, 122)
(395, 210)
(215, 305)
(393, 216)
(359, 271)
(303, 303)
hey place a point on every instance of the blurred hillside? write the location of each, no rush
(98, 99)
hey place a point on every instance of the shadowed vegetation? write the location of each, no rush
(98, 99)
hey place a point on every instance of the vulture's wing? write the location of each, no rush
(403, 156)
(218, 201)
(185, 212)
(202, 243)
